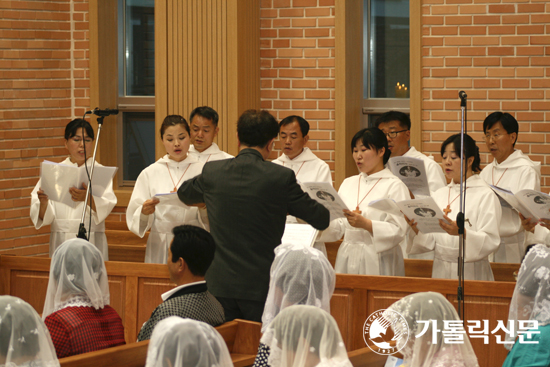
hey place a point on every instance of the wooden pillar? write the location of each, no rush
(207, 52)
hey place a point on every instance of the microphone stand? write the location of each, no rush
(460, 216)
(82, 228)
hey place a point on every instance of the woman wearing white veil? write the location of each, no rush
(531, 301)
(24, 339)
(299, 275)
(184, 342)
(422, 351)
(305, 336)
(77, 311)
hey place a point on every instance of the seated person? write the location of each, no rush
(299, 276)
(24, 339)
(422, 351)
(305, 336)
(531, 302)
(189, 256)
(77, 311)
(186, 342)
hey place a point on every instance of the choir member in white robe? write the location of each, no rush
(482, 213)
(396, 125)
(204, 128)
(511, 170)
(164, 176)
(293, 134)
(371, 237)
(65, 220)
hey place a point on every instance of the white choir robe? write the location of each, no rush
(517, 172)
(156, 179)
(308, 168)
(436, 180)
(483, 212)
(65, 221)
(361, 252)
(212, 153)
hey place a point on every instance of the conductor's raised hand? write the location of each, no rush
(527, 225)
(412, 223)
(148, 206)
(449, 226)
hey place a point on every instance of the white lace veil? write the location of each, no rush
(531, 299)
(299, 275)
(77, 277)
(185, 342)
(421, 352)
(24, 339)
(305, 336)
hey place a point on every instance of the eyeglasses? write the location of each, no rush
(393, 134)
(497, 136)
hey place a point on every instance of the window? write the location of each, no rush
(385, 57)
(136, 88)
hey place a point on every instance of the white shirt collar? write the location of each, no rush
(306, 155)
(188, 160)
(167, 295)
(385, 173)
(212, 149)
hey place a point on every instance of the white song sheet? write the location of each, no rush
(170, 198)
(56, 179)
(530, 203)
(424, 211)
(413, 174)
(299, 234)
(325, 194)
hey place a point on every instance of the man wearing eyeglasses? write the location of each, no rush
(397, 125)
(511, 170)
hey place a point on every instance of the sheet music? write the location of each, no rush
(425, 212)
(299, 234)
(538, 203)
(57, 179)
(412, 172)
(169, 198)
(513, 200)
(325, 194)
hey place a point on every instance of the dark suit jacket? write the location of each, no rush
(247, 200)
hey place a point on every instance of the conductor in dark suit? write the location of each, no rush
(248, 199)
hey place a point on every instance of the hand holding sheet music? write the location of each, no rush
(530, 203)
(325, 194)
(56, 180)
(424, 212)
(412, 172)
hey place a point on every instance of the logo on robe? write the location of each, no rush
(385, 332)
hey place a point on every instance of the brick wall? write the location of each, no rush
(44, 83)
(297, 66)
(499, 53)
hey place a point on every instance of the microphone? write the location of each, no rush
(462, 94)
(103, 113)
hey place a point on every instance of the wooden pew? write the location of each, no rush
(136, 289)
(358, 296)
(242, 338)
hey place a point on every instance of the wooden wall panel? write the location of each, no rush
(117, 289)
(30, 286)
(149, 291)
(207, 53)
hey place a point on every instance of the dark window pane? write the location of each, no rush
(386, 43)
(139, 143)
(139, 53)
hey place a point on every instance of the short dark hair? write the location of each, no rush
(72, 128)
(206, 112)
(256, 128)
(304, 125)
(389, 116)
(195, 246)
(509, 122)
(173, 120)
(372, 138)
(470, 149)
